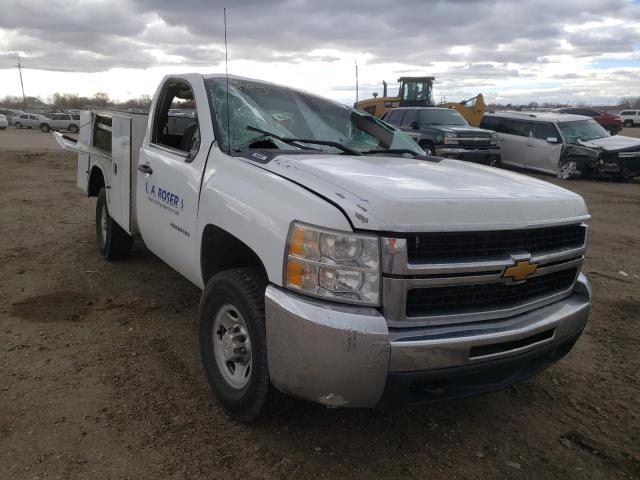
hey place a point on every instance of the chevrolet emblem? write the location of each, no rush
(520, 271)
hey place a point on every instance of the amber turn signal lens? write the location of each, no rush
(296, 247)
(294, 273)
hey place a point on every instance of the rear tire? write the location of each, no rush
(113, 242)
(45, 128)
(233, 342)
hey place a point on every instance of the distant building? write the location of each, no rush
(35, 105)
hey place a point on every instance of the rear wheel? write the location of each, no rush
(113, 242)
(568, 169)
(233, 346)
(18, 125)
(45, 128)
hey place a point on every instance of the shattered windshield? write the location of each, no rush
(583, 130)
(293, 114)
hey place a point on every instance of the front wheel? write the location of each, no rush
(568, 169)
(628, 123)
(18, 125)
(428, 147)
(45, 128)
(73, 128)
(113, 242)
(233, 345)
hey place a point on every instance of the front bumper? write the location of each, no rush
(347, 356)
(485, 155)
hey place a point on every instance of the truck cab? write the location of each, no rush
(338, 262)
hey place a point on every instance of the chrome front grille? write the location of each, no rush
(446, 278)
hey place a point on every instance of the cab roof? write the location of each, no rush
(540, 116)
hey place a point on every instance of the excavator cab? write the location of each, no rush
(416, 91)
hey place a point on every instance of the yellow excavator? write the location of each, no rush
(418, 92)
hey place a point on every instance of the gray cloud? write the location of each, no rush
(96, 36)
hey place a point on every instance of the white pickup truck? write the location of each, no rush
(338, 262)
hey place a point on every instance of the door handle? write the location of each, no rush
(502, 140)
(145, 169)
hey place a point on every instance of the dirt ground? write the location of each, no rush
(100, 376)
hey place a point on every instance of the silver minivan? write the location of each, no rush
(565, 145)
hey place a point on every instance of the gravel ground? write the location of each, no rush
(100, 376)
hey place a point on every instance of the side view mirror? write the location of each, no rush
(414, 125)
(553, 140)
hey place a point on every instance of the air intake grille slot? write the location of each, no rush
(483, 297)
(443, 247)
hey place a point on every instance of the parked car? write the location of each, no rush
(611, 123)
(61, 121)
(445, 133)
(630, 117)
(3, 122)
(10, 114)
(563, 144)
(29, 120)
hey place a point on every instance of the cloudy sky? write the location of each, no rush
(512, 51)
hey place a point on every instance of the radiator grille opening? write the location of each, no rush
(483, 297)
(441, 247)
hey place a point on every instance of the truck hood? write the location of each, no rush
(614, 143)
(463, 131)
(395, 194)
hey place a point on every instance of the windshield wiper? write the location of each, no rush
(282, 139)
(296, 142)
(395, 150)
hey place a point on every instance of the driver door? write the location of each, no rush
(170, 169)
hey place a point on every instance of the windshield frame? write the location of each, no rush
(221, 137)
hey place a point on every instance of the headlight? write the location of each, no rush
(450, 139)
(334, 265)
(494, 139)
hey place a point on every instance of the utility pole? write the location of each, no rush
(356, 81)
(24, 101)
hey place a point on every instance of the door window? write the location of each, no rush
(177, 131)
(409, 117)
(514, 127)
(395, 117)
(542, 131)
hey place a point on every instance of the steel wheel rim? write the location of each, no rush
(567, 170)
(103, 226)
(232, 347)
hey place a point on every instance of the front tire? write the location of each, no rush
(113, 242)
(73, 128)
(45, 128)
(17, 125)
(628, 123)
(569, 170)
(232, 341)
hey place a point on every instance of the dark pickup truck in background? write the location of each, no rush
(445, 133)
